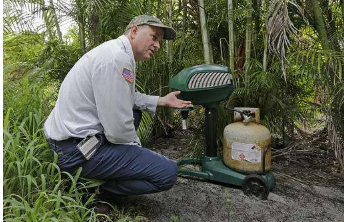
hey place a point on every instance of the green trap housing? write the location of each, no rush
(205, 85)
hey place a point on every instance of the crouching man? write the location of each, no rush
(93, 124)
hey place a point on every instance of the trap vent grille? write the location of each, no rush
(204, 80)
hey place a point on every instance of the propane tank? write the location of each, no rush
(246, 143)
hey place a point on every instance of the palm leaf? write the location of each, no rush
(280, 29)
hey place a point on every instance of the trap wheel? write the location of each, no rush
(255, 185)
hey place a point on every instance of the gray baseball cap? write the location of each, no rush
(169, 32)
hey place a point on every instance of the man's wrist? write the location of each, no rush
(161, 101)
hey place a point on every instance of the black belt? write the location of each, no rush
(75, 140)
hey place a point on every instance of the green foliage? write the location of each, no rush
(153, 77)
(18, 97)
(56, 59)
(176, 218)
(35, 63)
(22, 47)
(29, 70)
(325, 70)
(145, 129)
(101, 17)
(35, 189)
(281, 102)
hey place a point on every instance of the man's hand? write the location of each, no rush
(171, 100)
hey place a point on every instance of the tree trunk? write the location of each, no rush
(169, 43)
(331, 26)
(185, 11)
(82, 37)
(46, 20)
(248, 41)
(158, 9)
(56, 21)
(205, 37)
(150, 6)
(231, 35)
(265, 55)
(257, 6)
(320, 24)
(81, 25)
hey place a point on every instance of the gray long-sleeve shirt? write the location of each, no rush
(98, 95)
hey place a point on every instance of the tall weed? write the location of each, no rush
(34, 187)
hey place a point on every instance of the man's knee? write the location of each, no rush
(170, 177)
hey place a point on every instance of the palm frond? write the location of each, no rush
(18, 21)
(280, 29)
(325, 65)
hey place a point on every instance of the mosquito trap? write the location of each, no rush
(246, 159)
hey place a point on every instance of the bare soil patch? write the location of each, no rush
(309, 188)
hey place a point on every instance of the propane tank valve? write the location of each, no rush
(245, 114)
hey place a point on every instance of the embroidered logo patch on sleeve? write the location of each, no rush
(128, 75)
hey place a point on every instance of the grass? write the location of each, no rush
(35, 189)
(176, 218)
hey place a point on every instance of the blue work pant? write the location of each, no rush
(127, 169)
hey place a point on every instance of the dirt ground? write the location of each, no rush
(309, 188)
